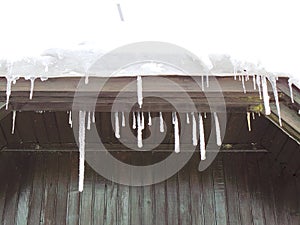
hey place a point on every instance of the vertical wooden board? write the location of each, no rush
(219, 191)
(254, 188)
(24, 124)
(63, 186)
(290, 194)
(3, 189)
(184, 192)
(37, 196)
(86, 197)
(267, 190)
(286, 153)
(232, 196)
(51, 179)
(73, 194)
(277, 145)
(65, 131)
(3, 142)
(99, 199)
(12, 193)
(208, 197)
(243, 189)
(40, 129)
(268, 137)
(294, 161)
(160, 203)
(104, 127)
(136, 196)
(25, 191)
(123, 207)
(111, 203)
(235, 124)
(197, 205)
(172, 200)
(51, 127)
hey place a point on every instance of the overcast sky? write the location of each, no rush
(255, 30)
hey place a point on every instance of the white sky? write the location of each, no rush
(254, 30)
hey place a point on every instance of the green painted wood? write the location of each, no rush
(73, 193)
(232, 194)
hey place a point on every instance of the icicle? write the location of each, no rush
(218, 131)
(266, 96)
(8, 91)
(123, 119)
(249, 121)
(202, 83)
(140, 91)
(176, 134)
(139, 132)
(117, 125)
(202, 138)
(161, 123)
(259, 114)
(207, 81)
(194, 130)
(187, 118)
(149, 119)
(258, 85)
(205, 115)
(275, 92)
(93, 118)
(133, 121)
(13, 122)
(243, 83)
(86, 79)
(253, 115)
(240, 79)
(89, 121)
(70, 119)
(143, 121)
(254, 82)
(291, 90)
(31, 87)
(81, 148)
(173, 118)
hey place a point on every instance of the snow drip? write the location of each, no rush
(176, 133)
(139, 131)
(13, 122)
(123, 119)
(291, 90)
(187, 118)
(70, 119)
(266, 96)
(272, 80)
(161, 123)
(202, 138)
(194, 130)
(139, 90)
(81, 148)
(218, 131)
(249, 121)
(89, 121)
(149, 119)
(117, 125)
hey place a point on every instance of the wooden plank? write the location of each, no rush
(51, 179)
(123, 208)
(232, 195)
(219, 191)
(40, 129)
(243, 189)
(35, 208)
(25, 192)
(73, 194)
(197, 205)
(51, 127)
(254, 187)
(172, 200)
(14, 174)
(62, 188)
(13, 140)
(25, 127)
(99, 199)
(111, 203)
(86, 197)
(65, 131)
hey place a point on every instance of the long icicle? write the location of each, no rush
(117, 125)
(275, 92)
(187, 118)
(93, 117)
(202, 138)
(139, 132)
(31, 87)
(149, 119)
(249, 121)
(13, 122)
(258, 85)
(243, 83)
(176, 134)
(89, 121)
(81, 148)
(143, 121)
(254, 82)
(266, 96)
(194, 130)
(140, 91)
(133, 121)
(161, 123)
(70, 119)
(123, 119)
(291, 90)
(218, 131)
